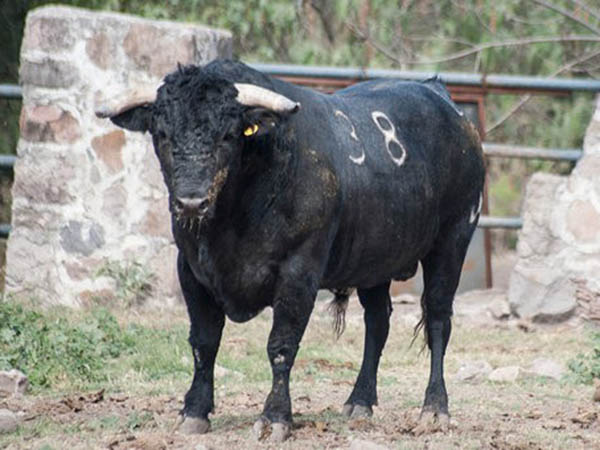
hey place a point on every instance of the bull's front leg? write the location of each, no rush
(207, 321)
(291, 312)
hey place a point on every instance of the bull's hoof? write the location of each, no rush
(432, 422)
(356, 411)
(194, 425)
(275, 432)
(280, 432)
(261, 429)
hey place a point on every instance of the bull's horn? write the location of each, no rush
(252, 95)
(137, 97)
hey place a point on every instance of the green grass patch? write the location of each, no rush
(158, 354)
(107, 423)
(50, 348)
(138, 420)
(59, 348)
(586, 366)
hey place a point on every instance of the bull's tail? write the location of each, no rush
(421, 325)
(337, 308)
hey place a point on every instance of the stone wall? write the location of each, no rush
(86, 193)
(558, 266)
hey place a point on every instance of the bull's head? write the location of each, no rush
(199, 122)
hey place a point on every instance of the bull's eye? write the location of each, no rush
(251, 130)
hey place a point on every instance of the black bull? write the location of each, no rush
(278, 191)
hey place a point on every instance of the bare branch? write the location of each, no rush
(525, 98)
(326, 14)
(568, 14)
(508, 43)
(513, 109)
(360, 34)
(471, 51)
(477, 65)
(595, 13)
(437, 38)
(575, 62)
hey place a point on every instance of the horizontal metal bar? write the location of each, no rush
(489, 149)
(518, 151)
(453, 78)
(4, 230)
(7, 161)
(500, 222)
(11, 91)
(484, 222)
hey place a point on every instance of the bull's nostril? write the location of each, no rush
(203, 204)
(191, 207)
(178, 206)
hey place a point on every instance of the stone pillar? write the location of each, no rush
(85, 192)
(559, 245)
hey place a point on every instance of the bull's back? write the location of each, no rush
(407, 161)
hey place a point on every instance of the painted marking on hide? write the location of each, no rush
(356, 160)
(389, 134)
(475, 212)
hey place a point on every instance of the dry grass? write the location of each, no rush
(137, 410)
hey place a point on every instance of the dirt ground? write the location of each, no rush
(532, 412)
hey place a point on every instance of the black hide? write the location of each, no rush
(353, 190)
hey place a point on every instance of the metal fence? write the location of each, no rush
(332, 78)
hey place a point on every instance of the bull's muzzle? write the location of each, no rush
(186, 207)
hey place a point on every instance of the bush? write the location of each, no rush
(586, 367)
(134, 282)
(50, 348)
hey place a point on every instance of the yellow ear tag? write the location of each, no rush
(251, 130)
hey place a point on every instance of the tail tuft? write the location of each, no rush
(337, 308)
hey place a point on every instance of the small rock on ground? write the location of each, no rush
(506, 374)
(596, 396)
(499, 308)
(545, 367)
(481, 306)
(13, 382)
(359, 444)
(202, 447)
(9, 421)
(471, 371)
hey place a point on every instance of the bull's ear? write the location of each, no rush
(260, 121)
(134, 119)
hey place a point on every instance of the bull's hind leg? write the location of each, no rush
(441, 272)
(378, 307)
(207, 321)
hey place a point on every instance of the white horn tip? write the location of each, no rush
(252, 95)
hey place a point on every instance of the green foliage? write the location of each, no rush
(505, 194)
(137, 420)
(134, 282)
(62, 348)
(51, 349)
(586, 366)
(9, 125)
